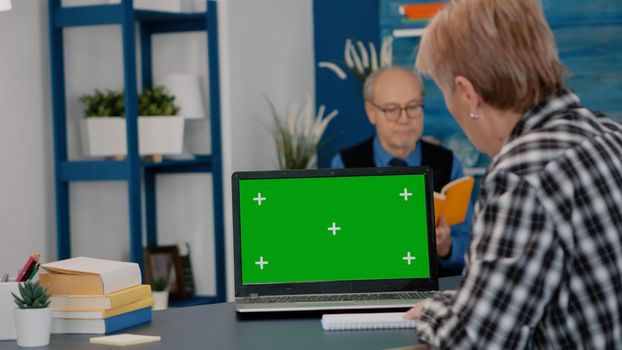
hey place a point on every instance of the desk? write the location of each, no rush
(216, 326)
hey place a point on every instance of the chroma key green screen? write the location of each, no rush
(333, 229)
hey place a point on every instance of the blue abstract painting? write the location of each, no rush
(588, 34)
(589, 38)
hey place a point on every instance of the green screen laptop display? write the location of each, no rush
(333, 229)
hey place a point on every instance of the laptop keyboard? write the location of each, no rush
(337, 297)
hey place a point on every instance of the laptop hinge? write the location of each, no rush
(253, 295)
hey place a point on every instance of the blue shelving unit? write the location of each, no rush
(133, 169)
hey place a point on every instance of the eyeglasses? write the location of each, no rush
(393, 113)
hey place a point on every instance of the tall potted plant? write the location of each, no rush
(33, 315)
(159, 130)
(297, 134)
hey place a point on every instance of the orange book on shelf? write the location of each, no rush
(453, 201)
(421, 11)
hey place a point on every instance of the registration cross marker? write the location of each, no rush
(405, 194)
(259, 198)
(334, 228)
(261, 263)
(409, 258)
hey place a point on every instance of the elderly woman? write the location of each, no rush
(544, 266)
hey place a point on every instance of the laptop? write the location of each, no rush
(333, 239)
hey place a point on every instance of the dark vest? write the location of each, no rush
(438, 158)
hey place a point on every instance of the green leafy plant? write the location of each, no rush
(110, 103)
(159, 284)
(107, 103)
(297, 134)
(32, 296)
(157, 102)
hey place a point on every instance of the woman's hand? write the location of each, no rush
(415, 312)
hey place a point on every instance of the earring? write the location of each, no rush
(473, 115)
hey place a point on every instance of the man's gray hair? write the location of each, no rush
(368, 87)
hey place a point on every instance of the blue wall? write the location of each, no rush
(334, 22)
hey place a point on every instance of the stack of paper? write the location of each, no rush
(96, 296)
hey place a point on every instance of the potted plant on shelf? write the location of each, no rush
(159, 288)
(297, 134)
(159, 130)
(33, 315)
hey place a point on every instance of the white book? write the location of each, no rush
(383, 320)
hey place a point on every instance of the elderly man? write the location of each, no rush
(394, 105)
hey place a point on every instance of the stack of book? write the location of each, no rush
(96, 296)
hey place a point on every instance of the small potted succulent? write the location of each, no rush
(33, 315)
(103, 128)
(159, 287)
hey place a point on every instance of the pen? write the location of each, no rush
(33, 272)
(23, 273)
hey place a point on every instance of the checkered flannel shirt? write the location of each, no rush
(544, 266)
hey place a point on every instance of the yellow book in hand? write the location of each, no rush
(453, 201)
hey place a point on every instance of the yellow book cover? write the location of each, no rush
(100, 302)
(141, 304)
(453, 201)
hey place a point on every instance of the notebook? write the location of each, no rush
(329, 239)
(382, 320)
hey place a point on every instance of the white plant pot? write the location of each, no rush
(103, 137)
(32, 326)
(160, 300)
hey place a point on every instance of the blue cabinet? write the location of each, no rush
(133, 169)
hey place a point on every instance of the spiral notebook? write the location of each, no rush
(383, 320)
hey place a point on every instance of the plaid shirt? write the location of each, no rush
(544, 266)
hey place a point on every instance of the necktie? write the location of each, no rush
(397, 162)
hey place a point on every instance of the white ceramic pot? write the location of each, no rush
(32, 326)
(160, 300)
(102, 137)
